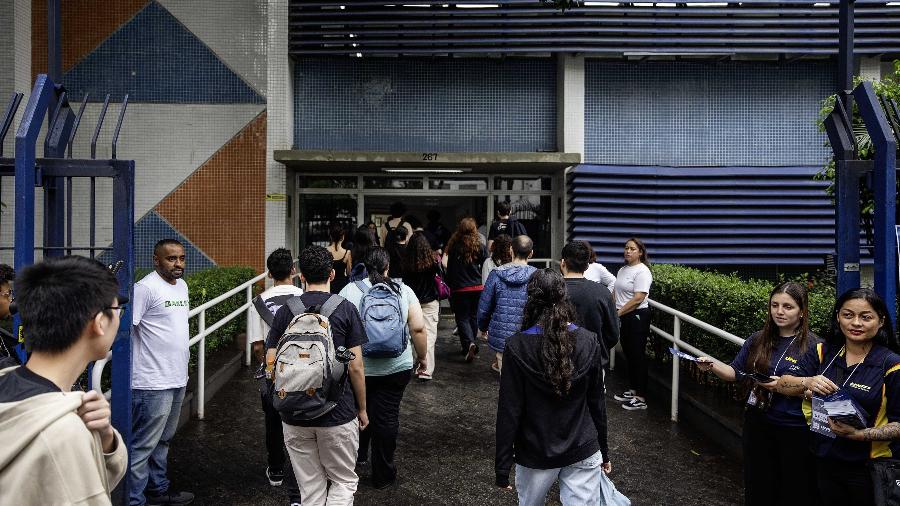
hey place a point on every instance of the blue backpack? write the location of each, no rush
(382, 318)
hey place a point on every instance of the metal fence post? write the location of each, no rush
(247, 330)
(676, 333)
(201, 368)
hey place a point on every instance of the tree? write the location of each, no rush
(889, 88)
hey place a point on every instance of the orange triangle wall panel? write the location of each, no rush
(221, 206)
(85, 25)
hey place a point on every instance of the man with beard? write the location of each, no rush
(159, 361)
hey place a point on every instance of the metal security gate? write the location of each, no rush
(54, 176)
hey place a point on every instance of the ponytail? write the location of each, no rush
(549, 308)
(377, 261)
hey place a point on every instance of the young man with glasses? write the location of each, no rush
(159, 373)
(8, 341)
(59, 446)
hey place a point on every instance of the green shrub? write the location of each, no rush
(208, 284)
(725, 301)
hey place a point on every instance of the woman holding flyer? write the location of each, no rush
(853, 376)
(777, 462)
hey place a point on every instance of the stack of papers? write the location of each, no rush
(844, 410)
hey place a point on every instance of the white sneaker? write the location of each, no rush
(626, 396)
(635, 404)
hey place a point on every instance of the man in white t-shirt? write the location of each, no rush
(159, 373)
(281, 269)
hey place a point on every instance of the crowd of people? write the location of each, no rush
(337, 352)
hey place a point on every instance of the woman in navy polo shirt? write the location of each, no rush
(860, 358)
(777, 462)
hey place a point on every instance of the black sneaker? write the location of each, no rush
(170, 498)
(635, 404)
(276, 478)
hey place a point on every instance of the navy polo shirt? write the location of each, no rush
(874, 385)
(783, 410)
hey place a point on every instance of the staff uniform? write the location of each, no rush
(842, 474)
(777, 461)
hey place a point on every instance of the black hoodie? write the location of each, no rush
(536, 427)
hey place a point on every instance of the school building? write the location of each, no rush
(256, 123)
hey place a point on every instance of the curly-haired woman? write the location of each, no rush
(464, 259)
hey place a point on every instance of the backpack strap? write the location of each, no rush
(263, 311)
(296, 305)
(330, 305)
(362, 287)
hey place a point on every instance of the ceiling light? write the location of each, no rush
(424, 170)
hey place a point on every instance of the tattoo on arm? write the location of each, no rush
(888, 432)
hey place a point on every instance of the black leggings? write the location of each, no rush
(465, 309)
(844, 483)
(383, 397)
(634, 332)
(778, 466)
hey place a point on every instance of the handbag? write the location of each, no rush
(886, 481)
(443, 290)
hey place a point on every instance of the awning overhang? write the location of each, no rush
(388, 162)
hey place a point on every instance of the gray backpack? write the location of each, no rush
(308, 379)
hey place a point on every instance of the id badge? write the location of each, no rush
(819, 422)
(752, 400)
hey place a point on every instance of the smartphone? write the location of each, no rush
(760, 377)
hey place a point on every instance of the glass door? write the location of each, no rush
(319, 211)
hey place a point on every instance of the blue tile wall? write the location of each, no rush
(154, 58)
(685, 113)
(148, 231)
(412, 104)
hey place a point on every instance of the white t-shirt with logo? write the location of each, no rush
(632, 279)
(258, 328)
(159, 334)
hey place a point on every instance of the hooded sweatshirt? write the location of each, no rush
(49, 456)
(502, 303)
(537, 428)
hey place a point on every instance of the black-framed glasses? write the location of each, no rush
(120, 308)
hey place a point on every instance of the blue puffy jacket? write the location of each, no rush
(502, 303)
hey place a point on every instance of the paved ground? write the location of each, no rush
(446, 448)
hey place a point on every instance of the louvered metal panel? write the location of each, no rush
(730, 216)
(798, 27)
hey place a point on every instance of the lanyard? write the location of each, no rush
(775, 370)
(851, 372)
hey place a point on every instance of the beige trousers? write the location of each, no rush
(323, 454)
(432, 313)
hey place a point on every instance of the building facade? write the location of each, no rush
(254, 124)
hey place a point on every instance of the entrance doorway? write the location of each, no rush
(353, 200)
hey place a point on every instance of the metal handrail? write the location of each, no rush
(202, 333)
(675, 338)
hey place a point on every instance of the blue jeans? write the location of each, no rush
(154, 421)
(579, 483)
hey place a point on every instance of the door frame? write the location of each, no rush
(557, 194)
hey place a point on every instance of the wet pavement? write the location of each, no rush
(445, 453)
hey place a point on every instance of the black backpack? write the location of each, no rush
(391, 236)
